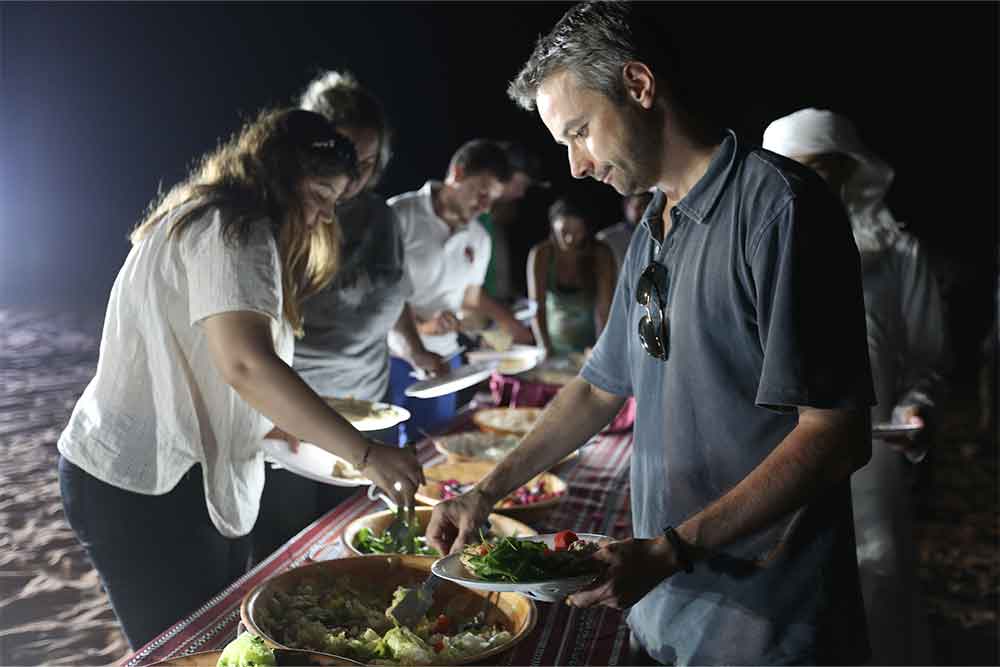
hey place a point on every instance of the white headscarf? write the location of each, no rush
(817, 131)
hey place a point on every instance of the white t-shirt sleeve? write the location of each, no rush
(230, 275)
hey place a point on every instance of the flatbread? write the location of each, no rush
(517, 421)
(345, 470)
(499, 339)
(367, 415)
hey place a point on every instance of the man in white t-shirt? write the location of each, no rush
(446, 253)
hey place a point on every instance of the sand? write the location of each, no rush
(52, 608)
(53, 611)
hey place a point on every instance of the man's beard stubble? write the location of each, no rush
(644, 145)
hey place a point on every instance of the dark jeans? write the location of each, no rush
(426, 414)
(159, 557)
(289, 504)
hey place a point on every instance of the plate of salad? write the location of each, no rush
(368, 534)
(545, 567)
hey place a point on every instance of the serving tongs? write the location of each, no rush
(414, 603)
(403, 529)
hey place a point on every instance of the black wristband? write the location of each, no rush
(683, 557)
(364, 459)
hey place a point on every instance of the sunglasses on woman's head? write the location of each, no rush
(654, 326)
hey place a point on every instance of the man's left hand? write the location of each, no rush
(634, 568)
(432, 364)
(914, 446)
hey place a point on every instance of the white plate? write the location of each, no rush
(383, 415)
(311, 462)
(525, 310)
(517, 359)
(452, 569)
(460, 378)
(888, 429)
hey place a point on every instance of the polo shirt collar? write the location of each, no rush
(427, 196)
(702, 198)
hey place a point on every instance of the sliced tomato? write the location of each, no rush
(565, 538)
(439, 646)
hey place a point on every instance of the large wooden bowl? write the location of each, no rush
(515, 613)
(471, 472)
(201, 659)
(377, 522)
(282, 657)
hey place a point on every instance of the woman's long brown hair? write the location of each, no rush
(255, 176)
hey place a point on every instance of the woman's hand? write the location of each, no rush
(277, 434)
(394, 470)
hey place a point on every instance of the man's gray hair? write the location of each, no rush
(593, 40)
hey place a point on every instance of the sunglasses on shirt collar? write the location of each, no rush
(654, 327)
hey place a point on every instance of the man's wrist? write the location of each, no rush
(684, 557)
(487, 493)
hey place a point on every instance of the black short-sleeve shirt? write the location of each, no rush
(766, 314)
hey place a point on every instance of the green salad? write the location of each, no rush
(247, 650)
(368, 542)
(335, 617)
(519, 561)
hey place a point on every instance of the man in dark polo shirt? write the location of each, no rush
(738, 325)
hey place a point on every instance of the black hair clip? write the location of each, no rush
(342, 150)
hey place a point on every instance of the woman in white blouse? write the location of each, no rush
(161, 468)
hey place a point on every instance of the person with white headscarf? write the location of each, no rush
(907, 343)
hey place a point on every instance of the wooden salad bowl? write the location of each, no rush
(289, 657)
(377, 522)
(515, 613)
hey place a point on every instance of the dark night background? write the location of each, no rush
(103, 102)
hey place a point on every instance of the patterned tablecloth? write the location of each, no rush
(598, 502)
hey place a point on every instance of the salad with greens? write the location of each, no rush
(368, 542)
(519, 561)
(247, 650)
(413, 543)
(335, 617)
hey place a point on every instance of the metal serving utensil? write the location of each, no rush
(402, 527)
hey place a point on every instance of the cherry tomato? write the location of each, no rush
(565, 538)
(441, 625)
